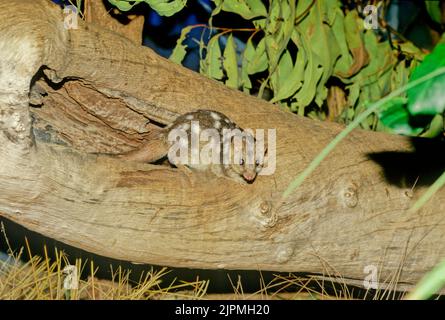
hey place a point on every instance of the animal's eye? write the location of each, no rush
(257, 162)
(241, 162)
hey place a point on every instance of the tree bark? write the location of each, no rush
(68, 95)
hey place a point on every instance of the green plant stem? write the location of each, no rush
(430, 284)
(429, 193)
(372, 108)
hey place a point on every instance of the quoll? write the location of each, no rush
(242, 167)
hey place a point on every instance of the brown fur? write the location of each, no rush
(158, 146)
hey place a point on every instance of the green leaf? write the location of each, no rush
(400, 76)
(212, 65)
(288, 77)
(435, 128)
(312, 72)
(279, 28)
(354, 93)
(366, 85)
(248, 9)
(258, 61)
(354, 55)
(215, 11)
(257, 8)
(248, 55)
(123, 5)
(272, 27)
(260, 23)
(316, 37)
(345, 59)
(383, 85)
(254, 60)
(428, 98)
(167, 7)
(162, 7)
(231, 64)
(433, 8)
(396, 117)
(408, 48)
(180, 51)
(281, 73)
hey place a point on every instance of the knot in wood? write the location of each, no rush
(350, 196)
(265, 207)
(268, 218)
(409, 193)
(284, 253)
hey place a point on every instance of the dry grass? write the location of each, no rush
(43, 278)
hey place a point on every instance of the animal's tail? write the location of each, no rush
(154, 149)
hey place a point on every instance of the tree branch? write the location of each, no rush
(98, 91)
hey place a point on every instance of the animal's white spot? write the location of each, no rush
(189, 117)
(227, 120)
(215, 116)
(217, 125)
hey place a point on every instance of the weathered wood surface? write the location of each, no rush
(349, 214)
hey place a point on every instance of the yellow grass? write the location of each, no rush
(43, 279)
(28, 276)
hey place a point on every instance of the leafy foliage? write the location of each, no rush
(305, 52)
(425, 104)
(295, 50)
(179, 52)
(162, 7)
(428, 98)
(433, 8)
